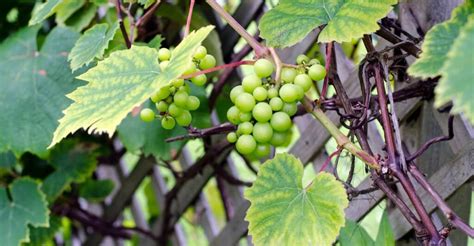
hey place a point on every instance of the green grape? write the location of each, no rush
(164, 64)
(278, 139)
(190, 68)
(169, 100)
(200, 53)
(181, 99)
(172, 90)
(246, 144)
(161, 94)
(245, 128)
(289, 93)
(147, 115)
(304, 81)
(263, 68)
(301, 59)
(232, 137)
(207, 62)
(233, 115)
(289, 108)
(184, 119)
(168, 123)
(174, 110)
(250, 82)
(276, 103)
(185, 88)
(262, 150)
(300, 92)
(164, 54)
(199, 80)
(260, 94)
(288, 74)
(247, 116)
(280, 121)
(317, 72)
(262, 132)
(235, 92)
(272, 92)
(193, 103)
(177, 83)
(262, 112)
(245, 102)
(314, 61)
(162, 106)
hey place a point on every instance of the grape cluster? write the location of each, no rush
(263, 111)
(173, 101)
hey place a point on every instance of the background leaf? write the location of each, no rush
(21, 211)
(40, 236)
(7, 160)
(96, 190)
(385, 235)
(283, 212)
(65, 9)
(33, 85)
(354, 234)
(43, 11)
(291, 20)
(121, 82)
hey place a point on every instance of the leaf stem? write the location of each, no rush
(188, 20)
(210, 70)
(278, 64)
(118, 7)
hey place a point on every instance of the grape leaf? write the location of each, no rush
(121, 82)
(385, 235)
(26, 207)
(40, 236)
(457, 81)
(65, 9)
(439, 41)
(82, 18)
(32, 85)
(43, 11)
(91, 44)
(96, 190)
(291, 20)
(146, 3)
(72, 163)
(283, 212)
(354, 234)
(7, 159)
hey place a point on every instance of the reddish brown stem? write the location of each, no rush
(118, 8)
(188, 20)
(328, 160)
(324, 90)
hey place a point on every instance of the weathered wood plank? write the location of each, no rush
(235, 229)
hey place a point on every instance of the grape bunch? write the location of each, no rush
(173, 101)
(262, 111)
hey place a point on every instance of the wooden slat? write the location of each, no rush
(235, 229)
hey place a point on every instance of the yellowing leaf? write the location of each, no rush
(121, 82)
(283, 212)
(291, 20)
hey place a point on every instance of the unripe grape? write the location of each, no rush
(147, 115)
(164, 54)
(193, 103)
(262, 112)
(289, 93)
(279, 138)
(233, 115)
(262, 150)
(280, 121)
(260, 94)
(276, 103)
(262, 132)
(185, 88)
(289, 108)
(299, 91)
(174, 110)
(245, 102)
(263, 68)
(161, 94)
(250, 82)
(199, 80)
(200, 53)
(288, 74)
(245, 128)
(247, 116)
(317, 72)
(304, 81)
(246, 144)
(232, 137)
(184, 119)
(235, 92)
(302, 59)
(168, 123)
(181, 99)
(177, 83)
(207, 62)
(161, 106)
(314, 61)
(272, 92)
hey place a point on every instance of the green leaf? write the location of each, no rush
(40, 236)
(65, 9)
(72, 163)
(7, 160)
(96, 190)
(283, 212)
(354, 234)
(27, 207)
(121, 82)
(82, 18)
(457, 82)
(43, 11)
(439, 41)
(291, 20)
(156, 42)
(32, 85)
(385, 235)
(91, 44)
(146, 3)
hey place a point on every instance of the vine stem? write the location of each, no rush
(118, 8)
(328, 160)
(278, 65)
(210, 70)
(188, 20)
(324, 90)
(260, 50)
(341, 139)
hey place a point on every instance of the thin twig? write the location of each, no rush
(118, 6)
(217, 68)
(149, 12)
(329, 50)
(328, 160)
(200, 133)
(188, 20)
